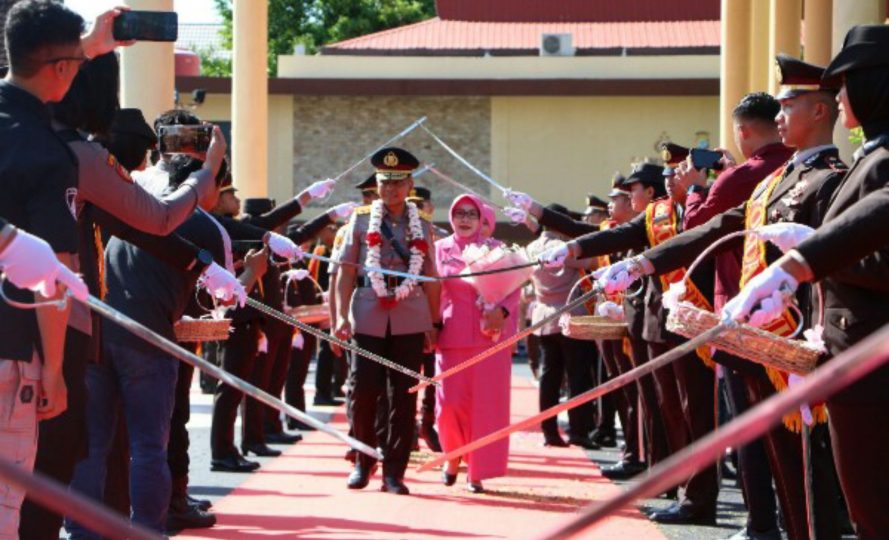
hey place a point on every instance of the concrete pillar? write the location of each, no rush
(817, 31)
(148, 69)
(846, 14)
(784, 33)
(250, 99)
(734, 66)
(761, 64)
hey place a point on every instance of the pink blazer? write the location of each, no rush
(459, 313)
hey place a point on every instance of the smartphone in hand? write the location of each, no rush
(181, 139)
(701, 158)
(146, 26)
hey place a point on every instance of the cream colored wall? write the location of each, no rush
(498, 67)
(561, 148)
(280, 160)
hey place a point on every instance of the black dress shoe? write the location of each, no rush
(182, 515)
(584, 442)
(203, 504)
(282, 438)
(430, 436)
(359, 478)
(326, 401)
(233, 464)
(392, 484)
(679, 514)
(447, 478)
(604, 439)
(475, 487)
(623, 470)
(351, 455)
(260, 449)
(554, 440)
(296, 424)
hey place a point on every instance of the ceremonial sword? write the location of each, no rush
(189, 357)
(841, 371)
(609, 386)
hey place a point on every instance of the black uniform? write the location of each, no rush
(685, 389)
(801, 197)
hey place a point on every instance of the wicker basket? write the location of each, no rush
(748, 342)
(311, 313)
(194, 330)
(592, 327)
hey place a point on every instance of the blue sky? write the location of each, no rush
(190, 11)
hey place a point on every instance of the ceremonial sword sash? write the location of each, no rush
(753, 263)
(662, 224)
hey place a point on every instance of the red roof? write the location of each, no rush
(448, 37)
(577, 10)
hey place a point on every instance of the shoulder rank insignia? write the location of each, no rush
(361, 210)
(425, 216)
(112, 162)
(836, 164)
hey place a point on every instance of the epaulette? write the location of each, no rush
(361, 210)
(836, 164)
(425, 216)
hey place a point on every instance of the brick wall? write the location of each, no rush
(333, 132)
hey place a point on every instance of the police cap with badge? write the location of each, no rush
(617, 186)
(368, 184)
(420, 194)
(595, 205)
(797, 77)
(673, 154)
(649, 175)
(394, 164)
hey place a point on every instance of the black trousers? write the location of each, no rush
(369, 380)
(653, 422)
(626, 399)
(177, 448)
(329, 371)
(754, 471)
(427, 406)
(62, 441)
(294, 380)
(563, 356)
(784, 449)
(860, 436)
(687, 393)
(238, 358)
(268, 365)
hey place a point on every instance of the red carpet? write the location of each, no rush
(303, 494)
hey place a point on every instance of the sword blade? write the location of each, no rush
(463, 160)
(190, 358)
(458, 185)
(287, 319)
(609, 386)
(385, 271)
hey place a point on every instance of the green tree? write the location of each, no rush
(315, 23)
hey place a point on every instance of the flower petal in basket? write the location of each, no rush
(494, 288)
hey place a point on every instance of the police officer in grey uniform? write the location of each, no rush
(389, 316)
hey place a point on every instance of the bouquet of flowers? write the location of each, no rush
(494, 288)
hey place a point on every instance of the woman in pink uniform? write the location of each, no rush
(474, 402)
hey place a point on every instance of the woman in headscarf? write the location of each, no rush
(474, 402)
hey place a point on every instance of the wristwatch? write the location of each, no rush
(203, 258)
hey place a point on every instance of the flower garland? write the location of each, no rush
(416, 244)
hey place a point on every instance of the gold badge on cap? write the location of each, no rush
(779, 75)
(390, 160)
(666, 155)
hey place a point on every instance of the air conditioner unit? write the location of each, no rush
(556, 45)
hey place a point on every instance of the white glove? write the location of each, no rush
(298, 341)
(766, 292)
(297, 274)
(30, 263)
(517, 198)
(343, 211)
(555, 256)
(784, 235)
(618, 277)
(284, 247)
(221, 284)
(611, 310)
(320, 189)
(516, 215)
(792, 380)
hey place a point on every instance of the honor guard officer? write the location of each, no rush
(596, 210)
(368, 188)
(849, 254)
(394, 317)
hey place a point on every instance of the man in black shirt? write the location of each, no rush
(38, 179)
